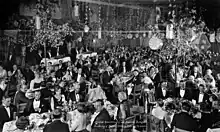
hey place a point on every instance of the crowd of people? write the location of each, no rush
(177, 94)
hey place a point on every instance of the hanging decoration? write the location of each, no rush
(158, 16)
(155, 43)
(212, 37)
(76, 9)
(48, 32)
(38, 22)
(170, 31)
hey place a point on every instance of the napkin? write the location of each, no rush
(194, 102)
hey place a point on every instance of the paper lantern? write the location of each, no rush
(86, 28)
(137, 35)
(38, 23)
(144, 35)
(212, 37)
(170, 31)
(100, 33)
(76, 10)
(155, 43)
(130, 36)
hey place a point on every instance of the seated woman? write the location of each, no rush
(58, 99)
(67, 76)
(124, 107)
(36, 82)
(79, 123)
(3, 73)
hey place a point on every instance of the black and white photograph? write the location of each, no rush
(110, 66)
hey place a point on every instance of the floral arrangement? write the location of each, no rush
(50, 33)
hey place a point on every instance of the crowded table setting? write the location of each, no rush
(110, 67)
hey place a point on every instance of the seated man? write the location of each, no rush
(38, 105)
(56, 125)
(6, 111)
(183, 121)
(20, 96)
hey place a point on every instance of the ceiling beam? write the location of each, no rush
(110, 4)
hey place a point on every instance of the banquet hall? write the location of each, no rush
(110, 66)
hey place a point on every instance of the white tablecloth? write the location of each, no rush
(213, 130)
(85, 55)
(56, 61)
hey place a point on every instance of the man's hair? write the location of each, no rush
(57, 113)
(186, 106)
(160, 102)
(101, 101)
(5, 97)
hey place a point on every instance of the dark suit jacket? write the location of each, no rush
(205, 122)
(205, 97)
(197, 76)
(159, 94)
(184, 121)
(72, 96)
(20, 98)
(101, 122)
(56, 126)
(87, 72)
(187, 94)
(4, 115)
(38, 58)
(106, 78)
(44, 105)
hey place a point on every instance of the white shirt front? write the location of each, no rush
(78, 78)
(164, 92)
(147, 80)
(93, 117)
(124, 69)
(36, 104)
(182, 93)
(8, 111)
(201, 97)
(77, 97)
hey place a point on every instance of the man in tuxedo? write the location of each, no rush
(100, 119)
(200, 95)
(87, 70)
(56, 125)
(14, 69)
(183, 121)
(75, 95)
(29, 74)
(38, 105)
(162, 92)
(74, 53)
(49, 54)
(123, 68)
(3, 86)
(196, 73)
(183, 92)
(39, 56)
(6, 111)
(20, 96)
(79, 75)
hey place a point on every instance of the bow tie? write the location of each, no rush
(6, 106)
(201, 93)
(37, 99)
